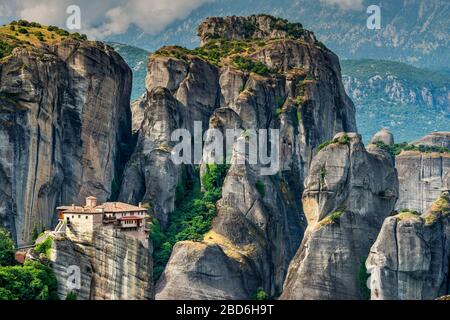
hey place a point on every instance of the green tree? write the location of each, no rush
(33, 281)
(261, 294)
(6, 248)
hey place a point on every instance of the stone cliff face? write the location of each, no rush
(348, 193)
(438, 139)
(179, 92)
(113, 265)
(410, 259)
(423, 176)
(259, 223)
(64, 126)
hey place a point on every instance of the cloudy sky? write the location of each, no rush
(110, 17)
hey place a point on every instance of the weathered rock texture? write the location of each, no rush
(114, 265)
(423, 176)
(64, 126)
(255, 234)
(348, 194)
(438, 139)
(384, 136)
(410, 259)
(255, 26)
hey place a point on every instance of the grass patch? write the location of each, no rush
(344, 139)
(441, 207)
(406, 214)
(330, 219)
(25, 33)
(44, 247)
(216, 51)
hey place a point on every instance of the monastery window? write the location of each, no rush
(79, 216)
(86, 217)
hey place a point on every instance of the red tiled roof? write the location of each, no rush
(120, 207)
(107, 207)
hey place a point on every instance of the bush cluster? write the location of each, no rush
(250, 65)
(192, 218)
(32, 281)
(344, 139)
(5, 49)
(397, 148)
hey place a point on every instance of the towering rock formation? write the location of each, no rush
(410, 259)
(64, 128)
(270, 74)
(112, 264)
(384, 136)
(348, 193)
(423, 176)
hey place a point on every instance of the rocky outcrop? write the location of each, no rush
(410, 259)
(384, 136)
(348, 194)
(255, 26)
(179, 92)
(438, 139)
(259, 222)
(64, 128)
(137, 113)
(422, 175)
(113, 265)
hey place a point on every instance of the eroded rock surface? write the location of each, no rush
(410, 259)
(423, 176)
(113, 265)
(65, 124)
(259, 224)
(348, 193)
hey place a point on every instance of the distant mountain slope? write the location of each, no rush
(410, 101)
(413, 31)
(136, 58)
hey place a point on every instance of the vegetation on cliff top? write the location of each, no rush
(330, 219)
(220, 52)
(193, 216)
(344, 139)
(25, 33)
(397, 148)
(407, 214)
(32, 281)
(441, 207)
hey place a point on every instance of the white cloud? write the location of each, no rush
(100, 19)
(346, 4)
